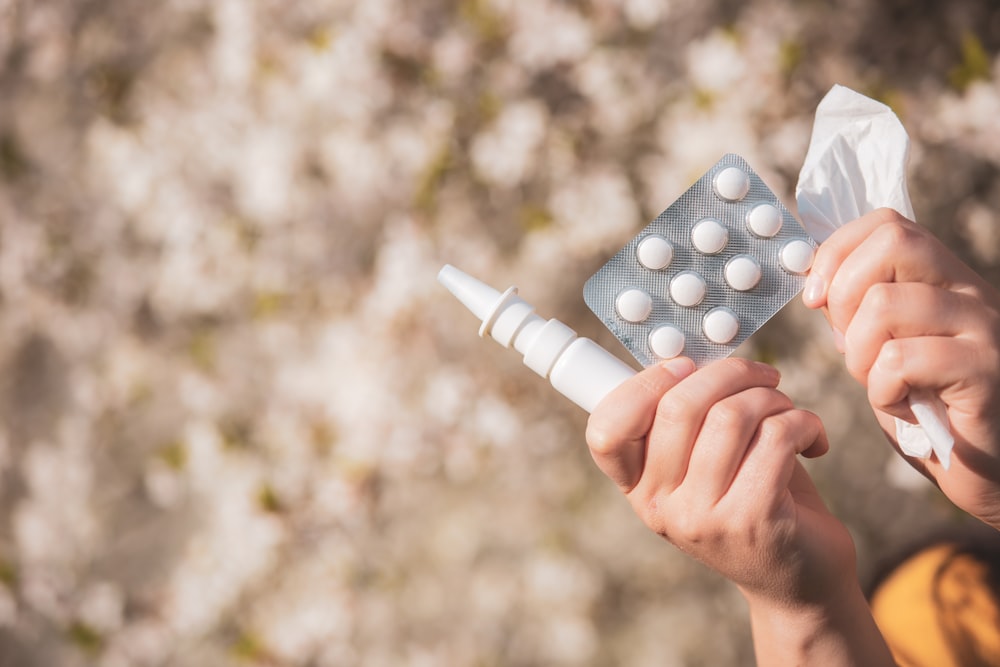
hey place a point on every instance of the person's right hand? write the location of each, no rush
(709, 460)
(909, 316)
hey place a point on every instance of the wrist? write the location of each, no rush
(837, 630)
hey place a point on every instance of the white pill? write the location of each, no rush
(666, 341)
(720, 325)
(764, 220)
(732, 184)
(709, 236)
(797, 256)
(687, 288)
(654, 252)
(742, 273)
(633, 304)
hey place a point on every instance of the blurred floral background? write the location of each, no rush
(243, 425)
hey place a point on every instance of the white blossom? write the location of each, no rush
(504, 154)
(242, 423)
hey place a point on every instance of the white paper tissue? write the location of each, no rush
(856, 163)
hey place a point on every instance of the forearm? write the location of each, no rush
(841, 633)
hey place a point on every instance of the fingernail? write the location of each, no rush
(815, 287)
(838, 340)
(679, 367)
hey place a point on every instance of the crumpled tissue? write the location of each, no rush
(856, 163)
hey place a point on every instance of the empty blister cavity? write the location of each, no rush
(634, 305)
(797, 256)
(742, 273)
(654, 252)
(764, 220)
(688, 289)
(709, 236)
(721, 325)
(750, 275)
(732, 184)
(666, 341)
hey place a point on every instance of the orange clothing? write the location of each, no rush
(941, 608)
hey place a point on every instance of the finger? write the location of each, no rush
(804, 490)
(617, 429)
(894, 252)
(905, 310)
(944, 364)
(681, 412)
(726, 435)
(770, 462)
(832, 253)
(836, 335)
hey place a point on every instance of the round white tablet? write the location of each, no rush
(633, 304)
(654, 252)
(666, 341)
(687, 288)
(742, 273)
(797, 256)
(709, 237)
(732, 184)
(720, 325)
(764, 220)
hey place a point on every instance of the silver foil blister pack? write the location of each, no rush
(708, 272)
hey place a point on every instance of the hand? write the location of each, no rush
(909, 315)
(708, 460)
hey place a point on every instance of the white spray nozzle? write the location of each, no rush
(578, 368)
(475, 295)
(484, 301)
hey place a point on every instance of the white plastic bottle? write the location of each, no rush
(578, 368)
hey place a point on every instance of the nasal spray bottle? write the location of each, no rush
(578, 368)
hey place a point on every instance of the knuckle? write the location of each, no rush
(769, 432)
(739, 364)
(672, 410)
(599, 439)
(648, 385)
(890, 215)
(896, 232)
(892, 357)
(879, 299)
(778, 429)
(688, 528)
(649, 505)
(725, 414)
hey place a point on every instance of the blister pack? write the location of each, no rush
(708, 272)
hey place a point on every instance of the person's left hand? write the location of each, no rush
(911, 316)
